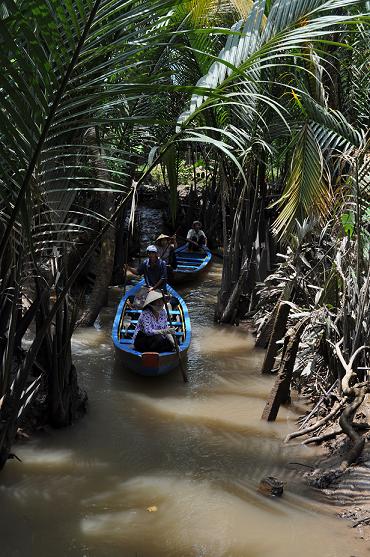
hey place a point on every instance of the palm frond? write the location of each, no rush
(306, 192)
(82, 65)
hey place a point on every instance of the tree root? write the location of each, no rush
(353, 397)
(345, 422)
(357, 393)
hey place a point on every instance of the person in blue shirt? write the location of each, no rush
(153, 269)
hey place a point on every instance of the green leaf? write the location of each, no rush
(348, 223)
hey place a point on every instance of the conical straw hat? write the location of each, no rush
(163, 237)
(152, 297)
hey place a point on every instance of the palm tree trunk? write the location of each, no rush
(65, 399)
(225, 287)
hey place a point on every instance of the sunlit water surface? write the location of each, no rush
(162, 469)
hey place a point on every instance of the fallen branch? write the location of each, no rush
(333, 433)
(324, 437)
(365, 520)
(313, 427)
(324, 396)
(301, 464)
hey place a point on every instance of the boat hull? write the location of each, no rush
(136, 363)
(149, 363)
(190, 264)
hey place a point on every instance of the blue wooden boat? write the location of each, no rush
(149, 363)
(190, 263)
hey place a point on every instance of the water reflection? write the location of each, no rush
(196, 518)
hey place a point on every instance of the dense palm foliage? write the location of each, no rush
(281, 109)
(94, 94)
(73, 88)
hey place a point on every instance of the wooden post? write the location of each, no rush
(278, 332)
(263, 338)
(280, 392)
(264, 335)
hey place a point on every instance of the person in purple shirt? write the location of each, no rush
(153, 269)
(152, 333)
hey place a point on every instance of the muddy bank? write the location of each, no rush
(347, 491)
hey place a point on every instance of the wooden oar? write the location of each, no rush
(181, 365)
(201, 247)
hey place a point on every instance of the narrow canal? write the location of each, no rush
(162, 469)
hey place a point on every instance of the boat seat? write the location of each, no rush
(129, 340)
(174, 323)
(190, 258)
(187, 264)
(173, 312)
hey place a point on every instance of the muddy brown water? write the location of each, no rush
(162, 469)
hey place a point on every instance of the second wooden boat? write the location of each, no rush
(149, 363)
(190, 264)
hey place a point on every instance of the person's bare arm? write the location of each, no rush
(158, 285)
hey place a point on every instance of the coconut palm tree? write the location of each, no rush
(90, 89)
(268, 101)
(73, 72)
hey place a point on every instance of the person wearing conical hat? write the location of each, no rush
(166, 246)
(152, 333)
